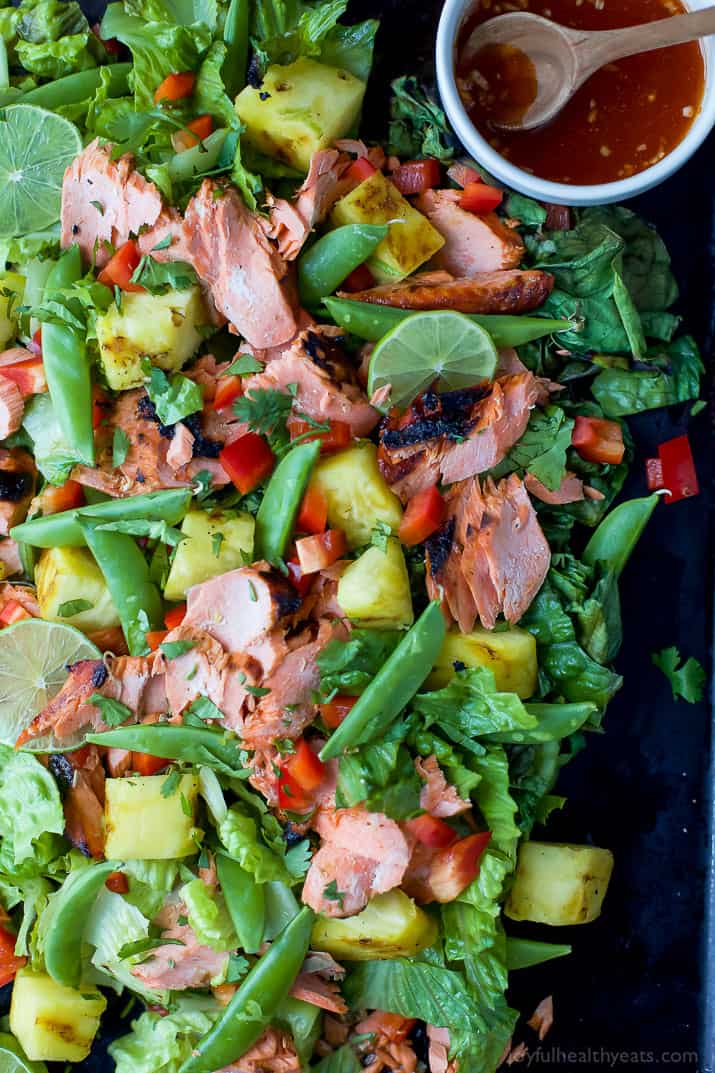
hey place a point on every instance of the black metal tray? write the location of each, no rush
(639, 988)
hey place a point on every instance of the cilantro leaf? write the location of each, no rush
(331, 892)
(74, 607)
(266, 411)
(687, 681)
(141, 946)
(114, 713)
(380, 535)
(243, 365)
(205, 709)
(120, 447)
(174, 649)
(142, 527)
(542, 449)
(175, 397)
(159, 277)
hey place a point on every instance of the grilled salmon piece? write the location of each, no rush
(365, 853)
(322, 380)
(17, 486)
(509, 291)
(104, 201)
(473, 243)
(570, 490)
(490, 557)
(455, 435)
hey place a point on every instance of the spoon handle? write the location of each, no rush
(605, 46)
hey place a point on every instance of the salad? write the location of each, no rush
(310, 557)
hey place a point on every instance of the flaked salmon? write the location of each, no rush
(104, 202)
(10, 561)
(509, 291)
(186, 963)
(322, 380)
(437, 796)
(455, 435)
(274, 1052)
(473, 243)
(83, 802)
(290, 222)
(362, 854)
(490, 556)
(17, 486)
(570, 490)
(12, 406)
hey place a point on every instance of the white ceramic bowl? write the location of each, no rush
(479, 148)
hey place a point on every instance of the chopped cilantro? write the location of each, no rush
(114, 713)
(687, 681)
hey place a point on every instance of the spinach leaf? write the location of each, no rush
(646, 261)
(418, 126)
(541, 451)
(673, 375)
(383, 777)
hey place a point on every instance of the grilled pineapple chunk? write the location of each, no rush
(161, 327)
(142, 825)
(53, 1023)
(65, 575)
(215, 543)
(411, 240)
(299, 109)
(12, 288)
(375, 589)
(558, 883)
(390, 926)
(510, 654)
(358, 495)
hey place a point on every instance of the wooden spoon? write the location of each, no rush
(563, 58)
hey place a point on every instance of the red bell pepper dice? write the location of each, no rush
(361, 169)
(360, 279)
(598, 440)
(301, 582)
(121, 267)
(334, 711)
(300, 775)
(227, 391)
(337, 436)
(247, 461)
(480, 198)
(174, 616)
(673, 470)
(146, 764)
(175, 87)
(431, 831)
(9, 964)
(424, 514)
(55, 498)
(313, 513)
(117, 882)
(323, 549)
(416, 176)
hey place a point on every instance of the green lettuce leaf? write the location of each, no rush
(208, 916)
(113, 923)
(54, 59)
(342, 1060)
(149, 883)
(283, 30)
(418, 126)
(30, 805)
(381, 775)
(470, 706)
(349, 666)
(496, 804)
(161, 1044)
(239, 834)
(54, 457)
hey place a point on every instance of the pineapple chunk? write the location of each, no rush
(199, 558)
(143, 825)
(299, 109)
(390, 926)
(12, 288)
(161, 327)
(411, 240)
(53, 1023)
(510, 654)
(358, 495)
(65, 575)
(557, 883)
(375, 589)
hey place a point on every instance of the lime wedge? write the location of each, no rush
(440, 346)
(12, 1059)
(33, 667)
(36, 147)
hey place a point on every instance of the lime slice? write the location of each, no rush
(444, 346)
(36, 147)
(33, 667)
(12, 1059)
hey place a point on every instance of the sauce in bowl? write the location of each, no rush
(625, 118)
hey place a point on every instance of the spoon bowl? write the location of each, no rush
(562, 59)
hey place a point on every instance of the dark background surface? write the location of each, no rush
(636, 992)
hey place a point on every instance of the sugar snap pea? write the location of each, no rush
(62, 922)
(74, 88)
(280, 504)
(195, 745)
(126, 571)
(63, 530)
(619, 532)
(245, 901)
(397, 681)
(281, 907)
(330, 260)
(371, 322)
(254, 1005)
(235, 36)
(67, 365)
